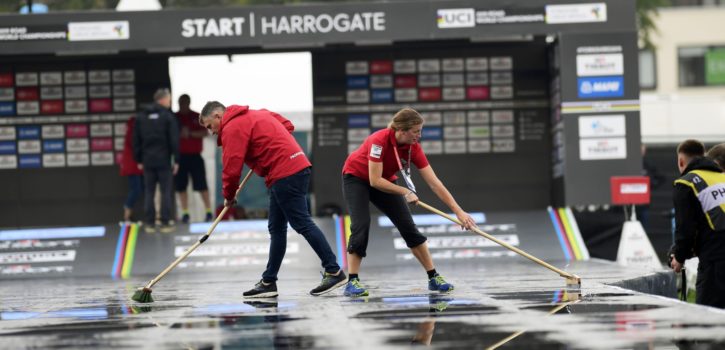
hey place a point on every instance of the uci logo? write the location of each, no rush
(456, 18)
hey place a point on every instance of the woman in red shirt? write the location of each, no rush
(369, 176)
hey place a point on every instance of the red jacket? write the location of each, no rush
(128, 164)
(190, 144)
(262, 140)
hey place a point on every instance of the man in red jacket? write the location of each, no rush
(263, 141)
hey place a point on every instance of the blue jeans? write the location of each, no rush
(135, 188)
(288, 203)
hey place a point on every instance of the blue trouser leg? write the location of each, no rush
(277, 225)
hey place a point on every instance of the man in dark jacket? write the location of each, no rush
(699, 199)
(263, 141)
(155, 146)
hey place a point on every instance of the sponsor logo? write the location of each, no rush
(603, 148)
(123, 76)
(600, 87)
(106, 30)
(598, 65)
(456, 18)
(376, 151)
(602, 126)
(576, 13)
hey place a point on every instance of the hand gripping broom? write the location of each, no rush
(143, 295)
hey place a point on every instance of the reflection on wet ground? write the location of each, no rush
(508, 306)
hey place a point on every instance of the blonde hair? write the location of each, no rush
(405, 119)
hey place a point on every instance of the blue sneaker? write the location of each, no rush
(437, 283)
(355, 289)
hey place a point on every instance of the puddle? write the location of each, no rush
(594, 308)
(417, 306)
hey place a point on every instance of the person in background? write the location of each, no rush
(156, 149)
(130, 169)
(191, 137)
(717, 154)
(699, 199)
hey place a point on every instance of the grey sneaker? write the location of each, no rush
(329, 283)
(262, 290)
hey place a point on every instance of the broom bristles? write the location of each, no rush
(143, 295)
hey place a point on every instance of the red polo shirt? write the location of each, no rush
(379, 147)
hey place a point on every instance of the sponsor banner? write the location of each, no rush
(46, 256)
(502, 92)
(118, 143)
(9, 162)
(576, 13)
(7, 94)
(432, 147)
(602, 126)
(100, 105)
(74, 77)
(598, 65)
(53, 131)
(479, 146)
(502, 117)
(479, 132)
(476, 64)
(51, 107)
(51, 78)
(76, 130)
(429, 80)
(404, 66)
(55, 160)
(406, 81)
(454, 132)
(8, 147)
(76, 106)
(477, 93)
(504, 146)
(102, 30)
(29, 161)
(454, 146)
(381, 81)
(28, 107)
(501, 16)
(456, 18)
(7, 133)
(119, 129)
(124, 104)
(478, 117)
(101, 129)
(431, 65)
(76, 91)
(502, 78)
(357, 134)
(51, 92)
(454, 93)
(429, 94)
(358, 120)
(99, 76)
(123, 76)
(452, 64)
(31, 33)
(53, 146)
(124, 90)
(603, 148)
(406, 95)
(26, 79)
(28, 132)
(78, 159)
(501, 131)
(7, 108)
(381, 67)
(96, 91)
(380, 120)
(7, 80)
(476, 78)
(27, 94)
(102, 158)
(454, 118)
(501, 63)
(28, 146)
(381, 96)
(600, 87)
(358, 96)
(119, 157)
(101, 144)
(453, 79)
(358, 82)
(356, 67)
(432, 118)
(432, 133)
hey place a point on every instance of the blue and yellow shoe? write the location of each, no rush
(437, 283)
(355, 289)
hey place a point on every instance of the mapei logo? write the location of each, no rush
(600, 87)
(456, 18)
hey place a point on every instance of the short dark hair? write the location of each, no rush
(691, 148)
(184, 96)
(209, 108)
(717, 153)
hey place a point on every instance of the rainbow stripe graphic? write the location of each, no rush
(567, 231)
(125, 250)
(342, 235)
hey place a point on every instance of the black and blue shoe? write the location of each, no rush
(355, 289)
(439, 284)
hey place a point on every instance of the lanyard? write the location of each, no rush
(404, 171)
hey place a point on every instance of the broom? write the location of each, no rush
(572, 281)
(143, 295)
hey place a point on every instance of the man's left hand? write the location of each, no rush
(674, 264)
(230, 203)
(175, 169)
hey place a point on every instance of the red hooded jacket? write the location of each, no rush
(261, 139)
(128, 164)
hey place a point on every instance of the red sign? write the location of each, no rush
(7, 80)
(76, 130)
(630, 190)
(381, 67)
(477, 93)
(119, 157)
(429, 94)
(51, 107)
(27, 94)
(406, 81)
(100, 105)
(102, 144)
